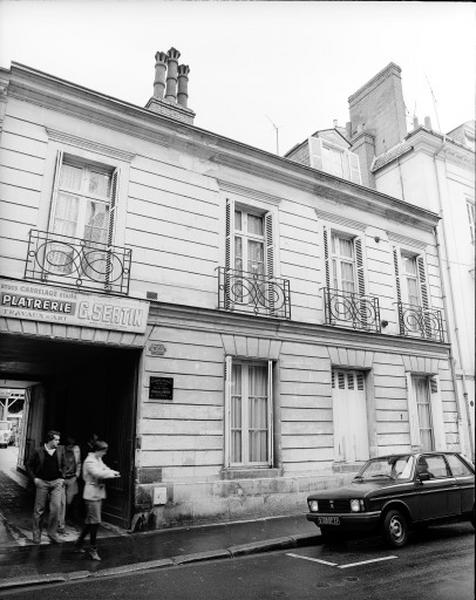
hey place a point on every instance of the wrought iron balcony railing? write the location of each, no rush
(350, 309)
(250, 292)
(84, 264)
(420, 322)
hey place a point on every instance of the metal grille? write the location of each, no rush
(337, 506)
(420, 322)
(351, 309)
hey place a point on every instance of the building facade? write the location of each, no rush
(234, 323)
(435, 171)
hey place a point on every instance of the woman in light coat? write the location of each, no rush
(94, 474)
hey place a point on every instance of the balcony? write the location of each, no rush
(250, 292)
(416, 321)
(350, 309)
(86, 265)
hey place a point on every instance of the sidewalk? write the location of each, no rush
(34, 565)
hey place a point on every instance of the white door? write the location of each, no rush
(351, 440)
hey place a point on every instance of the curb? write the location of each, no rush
(280, 543)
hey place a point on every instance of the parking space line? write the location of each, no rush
(322, 562)
(366, 562)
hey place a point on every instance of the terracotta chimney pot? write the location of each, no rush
(160, 68)
(182, 94)
(171, 84)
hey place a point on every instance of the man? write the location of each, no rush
(46, 467)
(72, 469)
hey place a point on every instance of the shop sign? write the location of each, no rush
(23, 300)
(161, 388)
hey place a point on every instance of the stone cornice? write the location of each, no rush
(229, 323)
(252, 193)
(59, 95)
(79, 142)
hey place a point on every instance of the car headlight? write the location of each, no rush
(313, 505)
(357, 505)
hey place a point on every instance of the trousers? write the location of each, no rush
(47, 492)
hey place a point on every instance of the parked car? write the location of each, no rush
(392, 494)
(5, 433)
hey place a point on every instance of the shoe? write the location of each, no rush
(36, 540)
(54, 539)
(93, 554)
(61, 530)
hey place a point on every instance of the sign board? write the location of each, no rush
(24, 300)
(161, 388)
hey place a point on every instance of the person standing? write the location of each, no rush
(46, 467)
(94, 474)
(72, 469)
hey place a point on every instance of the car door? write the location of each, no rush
(438, 496)
(464, 478)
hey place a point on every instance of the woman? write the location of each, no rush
(94, 474)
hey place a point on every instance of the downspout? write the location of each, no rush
(439, 251)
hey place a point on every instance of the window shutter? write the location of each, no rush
(438, 422)
(268, 233)
(227, 416)
(423, 282)
(315, 153)
(396, 265)
(113, 206)
(354, 167)
(54, 192)
(270, 414)
(359, 264)
(325, 236)
(415, 440)
(229, 248)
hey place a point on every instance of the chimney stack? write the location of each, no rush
(160, 68)
(416, 124)
(171, 85)
(170, 96)
(182, 93)
(427, 121)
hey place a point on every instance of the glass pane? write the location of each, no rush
(255, 225)
(412, 287)
(409, 265)
(97, 216)
(347, 271)
(70, 177)
(238, 220)
(238, 254)
(258, 380)
(236, 447)
(256, 257)
(236, 380)
(346, 247)
(98, 183)
(66, 215)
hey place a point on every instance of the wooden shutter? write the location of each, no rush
(227, 409)
(415, 440)
(359, 265)
(315, 152)
(438, 422)
(113, 206)
(327, 266)
(229, 249)
(423, 282)
(270, 414)
(396, 264)
(269, 247)
(54, 192)
(354, 167)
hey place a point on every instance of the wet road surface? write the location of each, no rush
(437, 564)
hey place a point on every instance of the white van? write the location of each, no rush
(5, 433)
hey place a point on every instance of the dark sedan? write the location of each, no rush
(393, 493)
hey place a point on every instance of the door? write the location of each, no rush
(438, 495)
(351, 440)
(464, 480)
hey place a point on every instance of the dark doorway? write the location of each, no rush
(83, 389)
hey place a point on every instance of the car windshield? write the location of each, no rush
(388, 467)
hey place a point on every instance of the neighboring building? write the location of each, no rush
(231, 321)
(434, 171)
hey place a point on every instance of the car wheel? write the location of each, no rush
(395, 528)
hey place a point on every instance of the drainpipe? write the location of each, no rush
(444, 250)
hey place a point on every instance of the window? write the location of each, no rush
(410, 283)
(470, 207)
(349, 407)
(411, 278)
(249, 413)
(83, 207)
(342, 250)
(249, 242)
(334, 159)
(457, 466)
(434, 465)
(423, 404)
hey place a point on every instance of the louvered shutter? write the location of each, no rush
(269, 244)
(438, 424)
(327, 266)
(425, 300)
(54, 193)
(354, 167)
(315, 153)
(229, 249)
(227, 409)
(398, 288)
(270, 414)
(359, 265)
(113, 206)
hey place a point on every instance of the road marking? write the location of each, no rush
(366, 562)
(322, 562)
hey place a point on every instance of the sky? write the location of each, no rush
(255, 66)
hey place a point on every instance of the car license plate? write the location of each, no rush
(328, 520)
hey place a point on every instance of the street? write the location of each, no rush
(437, 564)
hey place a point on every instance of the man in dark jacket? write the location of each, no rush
(46, 467)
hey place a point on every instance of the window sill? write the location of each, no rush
(251, 473)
